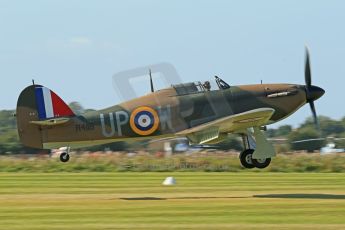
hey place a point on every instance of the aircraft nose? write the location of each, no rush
(314, 93)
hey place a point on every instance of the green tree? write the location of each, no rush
(279, 132)
(9, 141)
(231, 142)
(305, 133)
(327, 125)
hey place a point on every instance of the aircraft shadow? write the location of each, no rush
(184, 198)
(143, 198)
(302, 196)
(283, 196)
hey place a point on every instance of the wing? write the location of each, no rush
(213, 130)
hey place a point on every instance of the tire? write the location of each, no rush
(246, 158)
(64, 157)
(261, 163)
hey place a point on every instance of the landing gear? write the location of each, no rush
(248, 162)
(246, 158)
(64, 157)
(261, 163)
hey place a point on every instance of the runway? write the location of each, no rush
(198, 201)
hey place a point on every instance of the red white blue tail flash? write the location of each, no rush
(50, 105)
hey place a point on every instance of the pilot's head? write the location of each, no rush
(207, 85)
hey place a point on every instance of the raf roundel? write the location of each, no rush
(144, 121)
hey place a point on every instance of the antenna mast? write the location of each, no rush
(151, 82)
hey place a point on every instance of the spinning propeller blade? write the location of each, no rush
(312, 92)
(307, 71)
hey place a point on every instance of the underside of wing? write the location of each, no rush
(216, 129)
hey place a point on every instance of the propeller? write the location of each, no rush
(312, 92)
(151, 82)
(313, 111)
(307, 71)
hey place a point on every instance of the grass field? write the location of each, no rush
(144, 162)
(199, 201)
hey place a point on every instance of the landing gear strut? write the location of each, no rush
(64, 157)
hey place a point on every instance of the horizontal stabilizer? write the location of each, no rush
(51, 122)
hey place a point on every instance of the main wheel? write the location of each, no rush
(64, 157)
(246, 158)
(261, 163)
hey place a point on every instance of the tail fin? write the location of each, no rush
(50, 105)
(37, 103)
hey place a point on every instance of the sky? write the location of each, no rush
(75, 47)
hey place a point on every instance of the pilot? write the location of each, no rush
(207, 85)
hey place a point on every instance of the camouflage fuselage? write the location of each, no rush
(172, 113)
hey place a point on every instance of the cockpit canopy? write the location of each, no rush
(195, 87)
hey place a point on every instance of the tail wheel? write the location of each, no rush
(261, 163)
(246, 158)
(64, 157)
